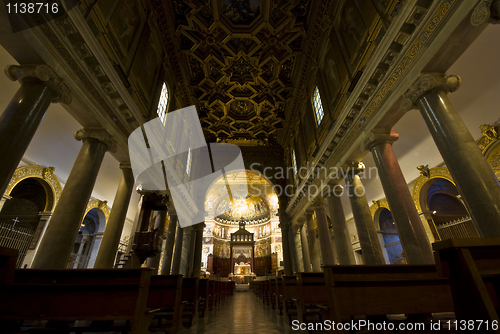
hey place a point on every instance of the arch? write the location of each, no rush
(45, 176)
(392, 243)
(376, 208)
(102, 212)
(422, 184)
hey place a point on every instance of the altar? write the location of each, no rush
(242, 269)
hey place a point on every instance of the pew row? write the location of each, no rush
(80, 294)
(473, 268)
(383, 290)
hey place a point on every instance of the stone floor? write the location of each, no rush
(242, 313)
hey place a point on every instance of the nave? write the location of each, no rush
(242, 313)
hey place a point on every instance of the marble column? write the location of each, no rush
(161, 219)
(312, 242)
(285, 226)
(40, 87)
(412, 235)
(293, 249)
(59, 238)
(176, 261)
(343, 244)
(368, 238)
(325, 241)
(305, 245)
(169, 242)
(469, 168)
(198, 247)
(111, 239)
(187, 251)
(299, 265)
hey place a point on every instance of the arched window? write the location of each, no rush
(188, 163)
(162, 103)
(318, 106)
(294, 163)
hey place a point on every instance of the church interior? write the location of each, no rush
(364, 189)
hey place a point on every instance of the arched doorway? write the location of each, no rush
(89, 236)
(448, 212)
(20, 215)
(390, 235)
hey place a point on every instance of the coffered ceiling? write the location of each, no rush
(238, 61)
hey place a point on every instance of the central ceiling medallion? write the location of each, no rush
(241, 12)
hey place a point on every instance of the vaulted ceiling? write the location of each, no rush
(239, 61)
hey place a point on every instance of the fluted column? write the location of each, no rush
(114, 227)
(305, 245)
(176, 261)
(169, 242)
(472, 174)
(198, 249)
(57, 243)
(312, 242)
(414, 240)
(368, 239)
(325, 241)
(154, 261)
(343, 244)
(40, 87)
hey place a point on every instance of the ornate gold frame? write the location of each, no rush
(422, 181)
(97, 204)
(38, 172)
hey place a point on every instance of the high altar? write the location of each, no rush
(242, 255)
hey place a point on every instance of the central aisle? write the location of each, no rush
(242, 313)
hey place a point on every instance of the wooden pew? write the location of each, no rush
(165, 292)
(190, 296)
(204, 296)
(473, 268)
(79, 294)
(387, 289)
(290, 294)
(8, 259)
(312, 298)
(212, 294)
(279, 296)
(272, 292)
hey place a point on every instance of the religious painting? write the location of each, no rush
(125, 22)
(241, 11)
(352, 28)
(332, 75)
(146, 63)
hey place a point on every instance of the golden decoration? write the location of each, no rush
(39, 172)
(421, 181)
(101, 205)
(376, 208)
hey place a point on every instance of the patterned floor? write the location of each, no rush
(241, 313)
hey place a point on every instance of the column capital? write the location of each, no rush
(43, 73)
(99, 134)
(486, 10)
(378, 137)
(349, 169)
(425, 83)
(125, 165)
(319, 203)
